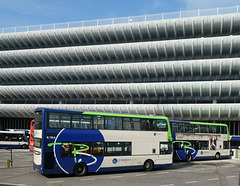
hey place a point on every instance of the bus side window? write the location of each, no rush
(218, 129)
(136, 122)
(204, 129)
(53, 120)
(98, 122)
(196, 128)
(212, 129)
(143, 125)
(65, 150)
(127, 124)
(223, 130)
(113, 123)
(64, 121)
(110, 123)
(86, 121)
(204, 145)
(160, 125)
(76, 122)
(189, 128)
(152, 125)
(181, 128)
(148, 124)
(97, 148)
(174, 127)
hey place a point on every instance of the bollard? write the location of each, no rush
(8, 163)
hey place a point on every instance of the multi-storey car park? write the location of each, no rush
(184, 65)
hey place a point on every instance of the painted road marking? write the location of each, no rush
(191, 182)
(140, 174)
(231, 177)
(90, 179)
(116, 177)
(167, 185)
(13, 184)
(50, 182)
(182, 171)
(212, 179)
(162, 172)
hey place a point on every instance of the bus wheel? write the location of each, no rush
(80, 169)
(217, 156)
(148, 165)
(188, 157)
(24, 146)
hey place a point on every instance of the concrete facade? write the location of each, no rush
(185, 69)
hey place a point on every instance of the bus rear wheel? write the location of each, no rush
(80, 169)
(148, 165)
(217, 156)
(188, 157)
(24, 146)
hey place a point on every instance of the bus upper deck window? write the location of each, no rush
(223, 130)
(160, 125)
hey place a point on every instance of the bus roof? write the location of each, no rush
(173, 121)
(100, 113)
(12, 132)
(197, 123)
(235, 138)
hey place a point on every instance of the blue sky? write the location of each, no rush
(35, 12)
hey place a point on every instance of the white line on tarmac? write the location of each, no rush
(191, 182)
(90, 179)
(212, 179)
(116, 177)
(162, 172)
(140, 174)
(54, 182)
(167, 185)
(12, 184)
(231, 177)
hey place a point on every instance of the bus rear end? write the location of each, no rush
(37, 148)
(31, 136)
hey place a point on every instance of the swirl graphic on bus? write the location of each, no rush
(68, 154)
(76, 152)
(186, 146)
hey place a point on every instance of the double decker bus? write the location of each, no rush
(31, 136)
(13, 139)
(75, 142)
(198, 140)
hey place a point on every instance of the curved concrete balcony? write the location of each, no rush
(216, 47)
(203, 26)
(224, 112)
(195, 90)
(211, 69)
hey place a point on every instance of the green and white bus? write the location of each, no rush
(198, 140)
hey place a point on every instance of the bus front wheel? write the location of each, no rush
(148, 165)
(217, 156)
(80, 169)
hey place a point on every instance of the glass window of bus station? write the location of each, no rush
(194, 128)
(62, 120)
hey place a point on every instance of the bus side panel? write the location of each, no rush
(145, 145)
(75, 137)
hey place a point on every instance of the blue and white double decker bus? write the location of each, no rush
(75, 142)
(198, 140)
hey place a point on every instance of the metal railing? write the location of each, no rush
(130, 19)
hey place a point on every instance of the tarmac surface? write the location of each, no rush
(195, 173)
